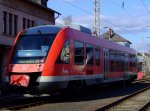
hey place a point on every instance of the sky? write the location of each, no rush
(131, 20)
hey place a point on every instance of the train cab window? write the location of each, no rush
(89, 54)
(97, 56)
(79, 53)
(65, 53)
(32, 49)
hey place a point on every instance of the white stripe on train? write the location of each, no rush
(99, 77)
(68, 78)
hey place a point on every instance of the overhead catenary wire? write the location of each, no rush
(129, 14)
(77, 7)
(145, 6)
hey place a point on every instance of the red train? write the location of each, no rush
(51, 58)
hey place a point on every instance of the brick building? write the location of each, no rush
(16, 15)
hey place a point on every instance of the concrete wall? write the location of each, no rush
(41, 2)
(21, 9)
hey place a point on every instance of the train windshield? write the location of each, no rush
(32, 49)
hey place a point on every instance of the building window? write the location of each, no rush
(15, 24)
(89, 54)
(33, 23)
(4, 22)
(28, 23)
(97, 56)
(24, 23)
(10, 23)
(79, 53)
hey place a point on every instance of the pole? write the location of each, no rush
(143, 54)
(143, 47)
(110, 31)
(96, 28)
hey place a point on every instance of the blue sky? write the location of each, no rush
(132, 22)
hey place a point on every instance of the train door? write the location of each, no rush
(105, 62)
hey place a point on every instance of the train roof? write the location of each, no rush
(44, 29)
(79, 36)
(87, 38)
(48, 29)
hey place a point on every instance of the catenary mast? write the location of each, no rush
(96, 28)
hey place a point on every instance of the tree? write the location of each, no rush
(67, 20)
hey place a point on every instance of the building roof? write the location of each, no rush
(41, 6)
(115, 37)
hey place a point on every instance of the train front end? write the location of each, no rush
(29, 55)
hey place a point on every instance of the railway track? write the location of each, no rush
(18, 107)
(9, 98)
(142, 80)
(138, 101)
(20, 102)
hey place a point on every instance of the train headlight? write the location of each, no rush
(42, 60)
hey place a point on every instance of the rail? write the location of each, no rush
(25, 106)
(111, 105)
(35, 101)
(144, 107)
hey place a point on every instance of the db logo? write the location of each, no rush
(25, 67)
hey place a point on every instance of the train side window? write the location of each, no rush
(126, 62)
(97, 56)
(89, 54)
(79, 53)
(106, 60)
(122, 61)
(117, 61)
(130, 59)
(65, 53)
(134, 61)
(112, 60)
